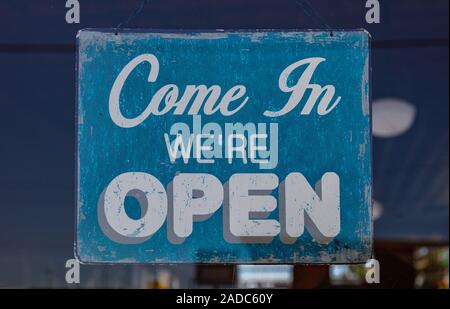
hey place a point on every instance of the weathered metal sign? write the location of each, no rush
(224, 147)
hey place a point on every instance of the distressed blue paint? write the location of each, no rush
(338, 142)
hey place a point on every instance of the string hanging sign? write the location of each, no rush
(223, 147)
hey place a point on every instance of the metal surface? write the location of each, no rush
(314, 141)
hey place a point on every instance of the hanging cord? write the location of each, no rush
(132, 16)
(309, 11)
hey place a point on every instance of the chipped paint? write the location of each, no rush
(339, 142)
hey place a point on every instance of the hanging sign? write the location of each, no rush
(223, 147)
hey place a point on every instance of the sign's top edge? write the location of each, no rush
(126, 31)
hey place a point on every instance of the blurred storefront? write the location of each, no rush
(410, 157)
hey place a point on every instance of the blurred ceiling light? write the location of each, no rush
(392, 117)
(377, 210)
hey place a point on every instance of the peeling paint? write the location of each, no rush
(339, 142)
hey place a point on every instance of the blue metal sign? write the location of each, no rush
(223, 147)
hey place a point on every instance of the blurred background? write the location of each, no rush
(410, 125)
